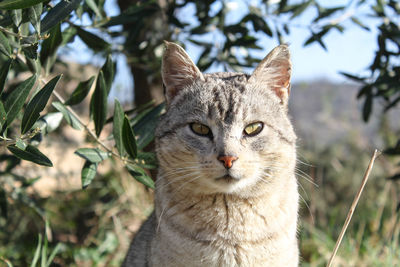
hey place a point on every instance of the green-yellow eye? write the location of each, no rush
(200, 129)
(253, 128)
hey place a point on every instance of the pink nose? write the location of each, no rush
(227, 160)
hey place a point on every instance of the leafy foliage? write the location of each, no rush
(33, 31)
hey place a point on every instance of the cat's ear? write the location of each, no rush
(177, 70)
(274, 72)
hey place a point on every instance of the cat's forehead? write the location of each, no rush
(224, 98)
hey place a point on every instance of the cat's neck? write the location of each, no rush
(230, 216)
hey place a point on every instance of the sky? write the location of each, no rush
(351, 51)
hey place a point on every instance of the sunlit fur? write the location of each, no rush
(205, 214)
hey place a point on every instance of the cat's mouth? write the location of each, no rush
(227, 178)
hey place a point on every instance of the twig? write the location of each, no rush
(353, 207)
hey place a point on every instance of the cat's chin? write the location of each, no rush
(229, 184)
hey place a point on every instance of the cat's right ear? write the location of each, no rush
(177, 70)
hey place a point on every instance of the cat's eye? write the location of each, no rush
(200, 129)
(253, 128)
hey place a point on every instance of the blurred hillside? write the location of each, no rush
(325, 113)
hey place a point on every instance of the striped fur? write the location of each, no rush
(202, 216)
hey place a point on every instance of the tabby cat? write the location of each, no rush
(226, 192)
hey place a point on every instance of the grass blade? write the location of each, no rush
(37, 252)
(353, 207)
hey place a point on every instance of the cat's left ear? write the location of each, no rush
(178, 70)
(274, 72)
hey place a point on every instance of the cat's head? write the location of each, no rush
(225, 132)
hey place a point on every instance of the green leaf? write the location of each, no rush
(53, 254)
(99, 104)
(34, 14)
(3, 115)
(20, 144)
(147, 160)
(49, 122)
(367, 108)
(4, 73)
(37, 252)
(108, 71)
(17, 97)
(16, 16)
(68, 35)
(140, 175)
(58, 13)
(37, 104)
(359, 23)
(68, 116)
(31, 51)
(51, 44)
(45, 245)
(300, 8)
(5, 47)
(80, 92)
(88, 173)
(146, 125)
(117, 127)
(128, 138)
(93, 6)
(3, 204)
(19, 4)
(93, 155)
(92, 41)
(32, 154)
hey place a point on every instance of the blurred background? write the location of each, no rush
(84, 211)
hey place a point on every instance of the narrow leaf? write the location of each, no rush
(5, 47)
(16, 16)
(80, 92)
(108, 71)
(99, 104)
(32, 154)
(88, 173)
(58, 13)
(93, 155)
(19, 4)
(117, 127)
(34, 14)
(146, 124)
(359, 23)
(37, 252)
(4, 73)
(367, 108)
(68, 116)
(37, 104)
(93, 6)
(128, 138)
(17, 97)
(92, 41)
(3, 204)
(53, 254)
(45, 245)
(51, 44)
(68, 35)
(140, 175)
(3, 115)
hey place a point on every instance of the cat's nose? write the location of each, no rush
(227, 160)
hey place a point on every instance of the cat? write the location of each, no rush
(226, 192)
